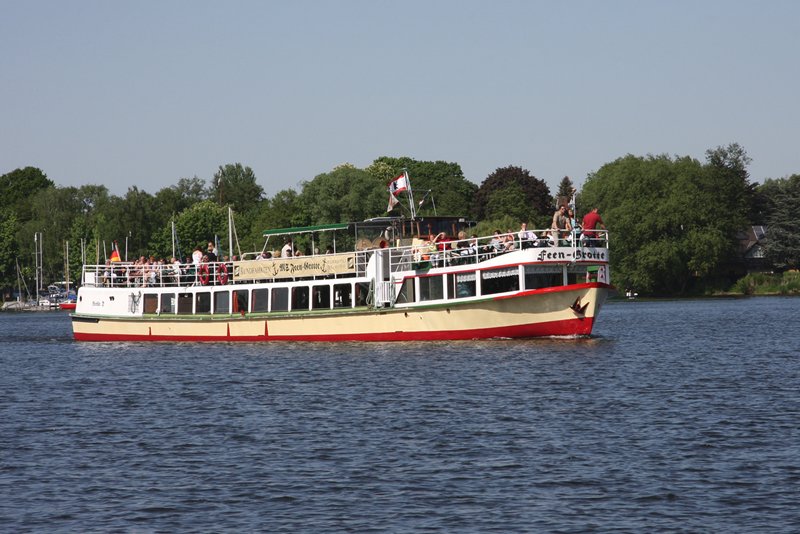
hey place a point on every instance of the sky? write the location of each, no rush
(144, 93)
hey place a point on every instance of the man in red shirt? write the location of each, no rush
(590, 222)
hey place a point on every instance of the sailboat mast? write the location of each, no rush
(66, 264)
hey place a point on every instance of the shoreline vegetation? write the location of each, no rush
(682, 227)
(767, 284)
(784, 284)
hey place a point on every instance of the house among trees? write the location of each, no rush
(751, 249)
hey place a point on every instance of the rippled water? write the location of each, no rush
(676, 416)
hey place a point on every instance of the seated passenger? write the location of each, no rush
(286, 251)
(509, 242)
(526, 237)
(107, 274)
(497, 243)
(175, 270)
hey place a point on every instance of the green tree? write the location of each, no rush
(443, 183)
(277, 212)
(782, 246)
(236, 186)
(510, 184)
(565, 191)
(345, 194)
(729, 179)
(672, 224)
(8, 249)
(52, 213)
(508, 201)
(172, 200)
(200, 223)
(138, 219)
(19, 186)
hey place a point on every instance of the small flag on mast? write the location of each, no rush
(392, 202)
(114, 252)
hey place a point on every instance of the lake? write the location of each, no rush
(675, 416)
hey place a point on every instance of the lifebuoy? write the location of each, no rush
(202, 274)
(222, 274)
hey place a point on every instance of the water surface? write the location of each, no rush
(675, 416)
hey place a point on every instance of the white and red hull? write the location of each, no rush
(556, 311)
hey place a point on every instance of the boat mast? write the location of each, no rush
(410, 196)
(37, 239)
(230, 232)
(66, 264)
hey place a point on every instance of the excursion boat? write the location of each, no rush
(394, 283)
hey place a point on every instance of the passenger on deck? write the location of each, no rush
(108, 273)
(473, 245)
(437, 247)
(197, 256)
(509, 243)
(286, 251)
(176, 270)
(526, 237)
(497, 244)
(561, 225)
(576, 228)
(211, 252)
(591, 221)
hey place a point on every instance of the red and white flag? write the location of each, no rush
(392, 203)
(399, 184)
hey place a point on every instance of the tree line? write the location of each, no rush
(675, 222)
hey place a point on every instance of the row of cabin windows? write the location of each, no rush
(492, 281)
(347, 295)
(319, 297)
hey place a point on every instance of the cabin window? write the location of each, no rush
(150, 303)
(321, 297)
(260, 302)
(167, 303)
(222, 302)
(342, 295)
(461, 285)
(431, 288)
(280, 299)
(362, 294)
(239, 302)
(574, 277)
(300, 298)
(202, 302)
(185, 303)
(537, 277)
(499, 280)
(406, 293)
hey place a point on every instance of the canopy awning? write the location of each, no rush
(306, 229)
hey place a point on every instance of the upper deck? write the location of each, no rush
(406, 255)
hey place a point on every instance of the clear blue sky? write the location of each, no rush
(146, 92)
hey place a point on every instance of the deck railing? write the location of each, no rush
(420, 254)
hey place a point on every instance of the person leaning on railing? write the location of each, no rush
(591, 221)
(561, 226)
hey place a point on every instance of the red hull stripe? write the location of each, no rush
(556, 289)
(571, 327)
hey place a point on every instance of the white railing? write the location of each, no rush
(418, 255)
